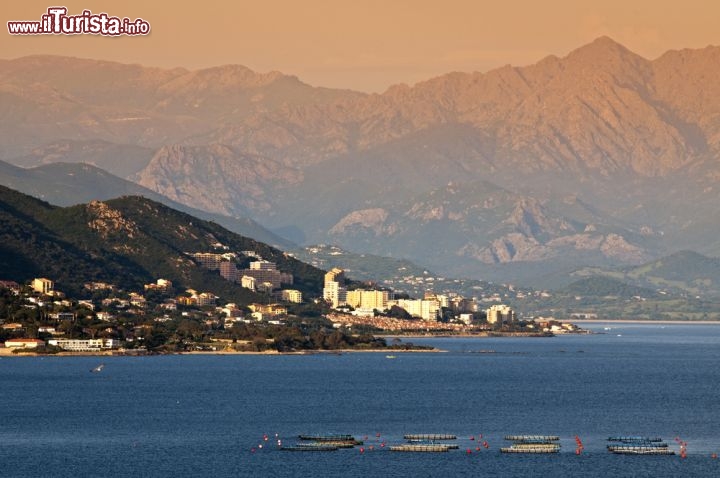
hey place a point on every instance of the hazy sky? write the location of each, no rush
(367, 44)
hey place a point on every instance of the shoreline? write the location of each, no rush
(4, 352)
(646, 322)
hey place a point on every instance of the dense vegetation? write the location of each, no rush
(129, 242)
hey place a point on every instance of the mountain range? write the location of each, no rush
(599, 158)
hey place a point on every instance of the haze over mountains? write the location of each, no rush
(599, 158)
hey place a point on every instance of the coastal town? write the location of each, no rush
(38, 316)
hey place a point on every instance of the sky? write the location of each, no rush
(368, 45)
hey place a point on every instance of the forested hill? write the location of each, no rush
(129, 241)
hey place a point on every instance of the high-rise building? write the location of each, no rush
(335, 294)
(263, 266)
(208, 260)
(335, 275)
(291, 295)
(426, 309)
(500, 314)
(368, 299)
(229, 271)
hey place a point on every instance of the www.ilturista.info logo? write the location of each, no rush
(58, 22)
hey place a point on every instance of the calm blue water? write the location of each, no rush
(190, 416)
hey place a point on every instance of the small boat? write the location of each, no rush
(98, 368)
(390, 357)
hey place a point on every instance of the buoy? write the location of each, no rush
(377, 434)
(371, 447)
(472, 438)
(469, 451)
(477, 448)
(260, 445)
(713, 456)
(362, 450)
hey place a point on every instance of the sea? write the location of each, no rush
(229, 415)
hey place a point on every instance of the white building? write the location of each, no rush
(426, 309)
(24, 343)
(248, 282)
(43, 286)
(501, 314)
(334, 293)
(368, 299)
(291, 295)
(84, 345)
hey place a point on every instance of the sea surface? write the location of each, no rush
(221, 416)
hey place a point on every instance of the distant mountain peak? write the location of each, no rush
(603, 52)
(603, 44)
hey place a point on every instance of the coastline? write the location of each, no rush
(4, 352)
(647, 322)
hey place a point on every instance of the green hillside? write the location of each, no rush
(65, 184)
(599, 286)
(684, 273)
(128, 241)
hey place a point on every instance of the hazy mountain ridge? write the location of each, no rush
(50, 98)
(684, 272)
(485, 224)
(636, 139)
(65, 184)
